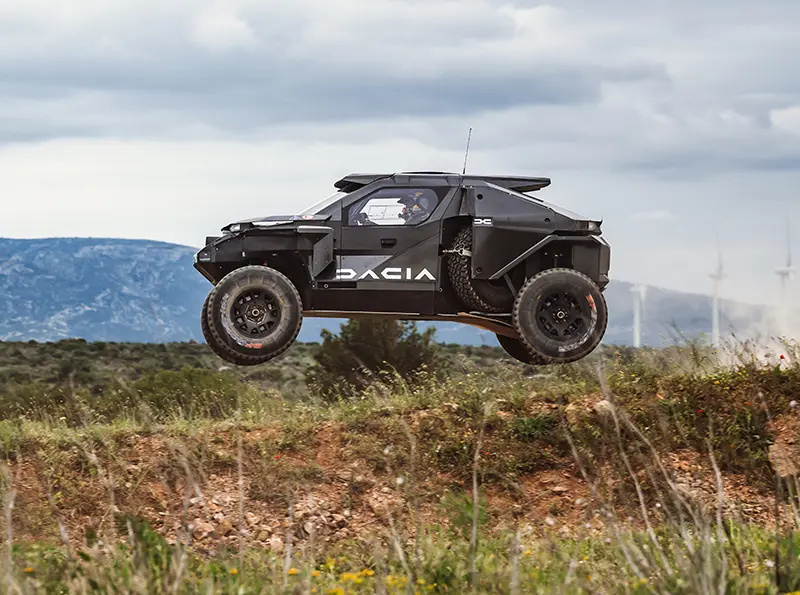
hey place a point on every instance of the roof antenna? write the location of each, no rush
(464, 171)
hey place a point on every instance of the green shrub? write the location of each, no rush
(368, 349)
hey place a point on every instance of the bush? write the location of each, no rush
(370, 348)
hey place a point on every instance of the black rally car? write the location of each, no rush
(434, 246)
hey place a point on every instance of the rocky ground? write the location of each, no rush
(217, 493)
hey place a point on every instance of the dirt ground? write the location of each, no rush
(218, 498)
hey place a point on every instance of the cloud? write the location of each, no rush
(786, 119)
(221, 31)
(165, 120)
(244, 64)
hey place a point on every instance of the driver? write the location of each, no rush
(414, 209)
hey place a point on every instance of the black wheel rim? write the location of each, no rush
(559, 315)
(254, 313)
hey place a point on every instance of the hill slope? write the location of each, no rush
(144, 291)
(257, 486)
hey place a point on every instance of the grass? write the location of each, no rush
(505, 564)
(405, 463)
(75, 379)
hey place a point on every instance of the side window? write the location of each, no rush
(395, 206)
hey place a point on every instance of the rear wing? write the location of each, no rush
(515, 183)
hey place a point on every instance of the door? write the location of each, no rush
(390, 249)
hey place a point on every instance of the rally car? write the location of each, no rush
(479, 250)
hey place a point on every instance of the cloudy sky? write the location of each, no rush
(674, 121)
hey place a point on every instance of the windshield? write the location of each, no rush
(323, 204)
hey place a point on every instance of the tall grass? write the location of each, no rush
(643, 531)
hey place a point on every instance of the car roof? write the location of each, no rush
(516, 183)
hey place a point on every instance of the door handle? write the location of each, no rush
(388, 242)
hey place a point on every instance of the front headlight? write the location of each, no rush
(236, 227)
(586, 226)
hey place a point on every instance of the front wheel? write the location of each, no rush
(561, 315)
(254, 314)
(210, 340)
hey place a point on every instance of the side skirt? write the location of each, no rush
(499, 324)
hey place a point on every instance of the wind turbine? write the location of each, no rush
(717, 276)
(785, 274)
(638, 304)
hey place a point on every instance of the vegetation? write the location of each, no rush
(368, 349)
(637, 471)
(444, 564)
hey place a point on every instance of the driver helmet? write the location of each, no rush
(412, 199)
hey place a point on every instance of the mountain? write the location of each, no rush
(145, 291)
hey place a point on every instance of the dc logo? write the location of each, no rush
(482, 221)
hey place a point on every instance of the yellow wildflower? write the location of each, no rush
(294, 571)
(396, 581)
(234, 571)
(28, 570)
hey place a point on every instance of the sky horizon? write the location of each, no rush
(676, 123)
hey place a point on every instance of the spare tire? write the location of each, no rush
(481, 295)
(560, 314)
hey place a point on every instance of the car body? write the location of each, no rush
(353, 254)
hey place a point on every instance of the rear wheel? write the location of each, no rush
(481, 295)
(561, 315)
(519, 351)
(253, 314)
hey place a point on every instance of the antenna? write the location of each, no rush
(469, 137)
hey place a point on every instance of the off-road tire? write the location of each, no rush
(578, 297)
(204, 323)
(231, 344)
(210, 341)
(517, 349)
(477, 294)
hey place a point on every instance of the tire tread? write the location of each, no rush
(459, 269)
